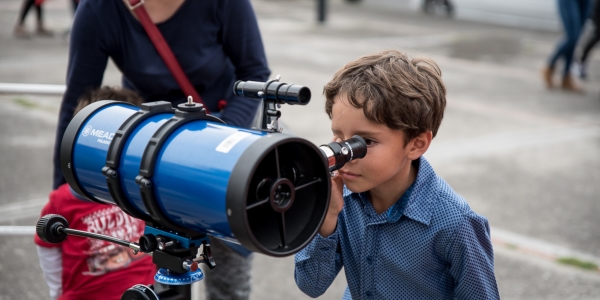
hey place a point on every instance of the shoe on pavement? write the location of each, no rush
(580, 70)
(547, 74)
(569, 84)
(41, 31)
(21, 32)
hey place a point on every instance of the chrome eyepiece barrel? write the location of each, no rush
(338, 154)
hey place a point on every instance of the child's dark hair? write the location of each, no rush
(108, 93)
(392, 89)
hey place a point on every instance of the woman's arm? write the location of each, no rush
(243, 45)
(87, 62)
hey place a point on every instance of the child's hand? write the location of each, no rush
(336, 203)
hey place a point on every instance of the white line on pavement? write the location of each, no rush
(17, 230)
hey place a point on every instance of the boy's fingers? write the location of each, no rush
(337, 181)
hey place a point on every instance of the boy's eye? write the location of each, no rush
(369, 142)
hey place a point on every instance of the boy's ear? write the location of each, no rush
(419, 145)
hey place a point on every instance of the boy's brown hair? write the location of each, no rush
(392, 89)
(108, 93)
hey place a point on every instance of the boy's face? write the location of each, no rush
(387, 162)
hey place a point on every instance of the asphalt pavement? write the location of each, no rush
(525, 157)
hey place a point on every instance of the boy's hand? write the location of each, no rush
(336, 203)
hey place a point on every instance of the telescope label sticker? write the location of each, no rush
(228, 143)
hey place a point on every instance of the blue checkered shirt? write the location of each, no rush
(429, 245)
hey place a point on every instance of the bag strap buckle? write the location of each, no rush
(132, 5)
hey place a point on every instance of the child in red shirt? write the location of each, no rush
(90, 269)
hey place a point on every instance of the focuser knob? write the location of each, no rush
(49, 228)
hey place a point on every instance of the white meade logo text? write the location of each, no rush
(104, 137)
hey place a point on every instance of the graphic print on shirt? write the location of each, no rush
(105, 256)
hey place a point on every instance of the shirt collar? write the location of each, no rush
(419, 206)
(415, 203)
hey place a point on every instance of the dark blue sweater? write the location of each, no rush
(215, 41)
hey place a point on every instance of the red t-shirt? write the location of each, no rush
(95, 269)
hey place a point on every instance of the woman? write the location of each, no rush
(216, 42)
(573, 14)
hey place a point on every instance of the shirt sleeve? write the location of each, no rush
(51, 264)
(471, 259)
(243, 45)
(87, 62)
(318, 264)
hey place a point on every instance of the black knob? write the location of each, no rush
(140, 292)
(148, 243)
(49, 228)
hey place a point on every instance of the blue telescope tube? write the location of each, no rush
(267, 191)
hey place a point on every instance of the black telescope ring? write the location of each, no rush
(144, 179)
(113, 156)
(68, 142)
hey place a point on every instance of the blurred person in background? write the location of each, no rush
(590, 42)
(91, 269)
(216, 42)
(21, 30)
(573, 14)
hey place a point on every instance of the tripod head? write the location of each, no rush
(177, 258)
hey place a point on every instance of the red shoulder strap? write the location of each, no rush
(137, 7)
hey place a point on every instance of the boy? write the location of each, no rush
(81, 268)
(399, 230)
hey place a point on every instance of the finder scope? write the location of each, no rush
(273, 90)
(186, 172)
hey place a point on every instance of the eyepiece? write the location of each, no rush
(338, 154)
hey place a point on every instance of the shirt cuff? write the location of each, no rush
(322, 249)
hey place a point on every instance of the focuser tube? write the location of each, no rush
(338, 154)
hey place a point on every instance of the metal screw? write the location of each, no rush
(344, 150)
(190, 265)
(162, 246)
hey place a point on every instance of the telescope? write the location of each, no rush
(190, 176)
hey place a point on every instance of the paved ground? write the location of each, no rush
(525, 157)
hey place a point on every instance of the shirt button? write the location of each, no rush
(368, 294)
(369, 259)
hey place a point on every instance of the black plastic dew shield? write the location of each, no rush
(278, 195)
(68, 143)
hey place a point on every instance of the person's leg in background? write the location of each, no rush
(41, 29)
(570, 17)
(591, 41)
(230, 280)
(20, 29)
(74, 4)
(573, 27)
